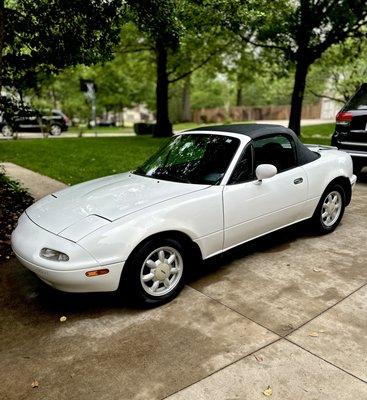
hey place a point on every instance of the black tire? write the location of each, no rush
(7, 130)
(131, 281)
(357, 167)
(320, 225)
(55, 130)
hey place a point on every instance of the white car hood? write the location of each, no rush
(111, 198)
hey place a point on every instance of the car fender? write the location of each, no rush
(198, 215)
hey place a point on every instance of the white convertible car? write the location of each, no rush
(207, 191)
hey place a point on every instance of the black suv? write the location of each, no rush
(54, 123)
(351, 128)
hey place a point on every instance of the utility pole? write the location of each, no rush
(90, 88)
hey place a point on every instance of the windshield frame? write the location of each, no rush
(226, 173)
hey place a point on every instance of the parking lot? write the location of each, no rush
(287, 312)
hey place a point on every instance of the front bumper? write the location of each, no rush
(28, 239)
(356, 153)
(353, 180)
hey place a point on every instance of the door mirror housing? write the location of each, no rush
(265, 171)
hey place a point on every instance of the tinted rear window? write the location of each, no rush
(358, 101)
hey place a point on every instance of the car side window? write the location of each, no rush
(243, 171)
(277, 150)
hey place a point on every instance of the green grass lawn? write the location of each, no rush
(319, 134)
(129, 129)
(77, 160)
(102, 129)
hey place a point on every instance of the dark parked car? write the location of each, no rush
(54, 123)
(351, 128)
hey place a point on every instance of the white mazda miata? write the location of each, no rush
(206, 191)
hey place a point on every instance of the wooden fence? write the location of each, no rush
(204, 115)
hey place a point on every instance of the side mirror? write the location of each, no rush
(265, 171)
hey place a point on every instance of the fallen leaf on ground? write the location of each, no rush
(34, 384)
(62, 319)
(313, 334)
(268, 391)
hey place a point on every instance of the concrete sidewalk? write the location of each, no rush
(286, 311)
(36, 184)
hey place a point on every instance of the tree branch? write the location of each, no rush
(198, 66)
(337, 36)
(134, 49)
(285, 49)
(326, 97)
(185, 74)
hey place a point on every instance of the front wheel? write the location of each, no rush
(55, 130)
(155, 272)
(330, 210)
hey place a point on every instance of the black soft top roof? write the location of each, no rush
(255, 131)
(252, 130)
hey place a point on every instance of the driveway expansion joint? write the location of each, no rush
(326, 309)
(325, 360)
(236, 311)
(280, 337)
(224, 367)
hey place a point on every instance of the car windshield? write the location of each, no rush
(192, 158)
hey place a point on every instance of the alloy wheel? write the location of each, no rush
(161, 271)
(7, 130)
(331, 209)
(55, 130)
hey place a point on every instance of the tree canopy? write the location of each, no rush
(303, 31)
(186, 53)
(41, 37)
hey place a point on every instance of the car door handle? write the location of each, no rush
(297, 181)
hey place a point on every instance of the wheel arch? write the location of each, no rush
(344, 182)
(192, 247)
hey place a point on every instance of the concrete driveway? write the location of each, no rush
(287, 311)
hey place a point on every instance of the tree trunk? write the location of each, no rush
(239, 96)
(53, 97)
(297, 95)
(163, 126)
(186, 104)
(2, 40)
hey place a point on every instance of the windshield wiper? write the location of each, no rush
(138, 171)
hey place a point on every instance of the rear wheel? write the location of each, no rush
(155, 272)
(7, 130)
(357, 166)
(330, 209)
(55, 130)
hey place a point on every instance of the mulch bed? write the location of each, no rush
(13, 201)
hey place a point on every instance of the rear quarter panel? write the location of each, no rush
(330, 165)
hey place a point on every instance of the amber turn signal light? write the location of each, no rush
(97, 272)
